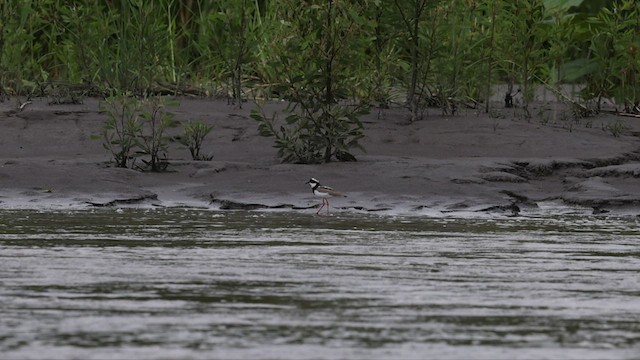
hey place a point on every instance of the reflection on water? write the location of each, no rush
(200, 284)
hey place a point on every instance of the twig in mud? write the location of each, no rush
(21, 106)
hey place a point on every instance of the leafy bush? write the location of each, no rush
(314, 132)
(153, 139)
(122, 128)
(612, 65)
(193, 135)
(314, 64)
(136, 129)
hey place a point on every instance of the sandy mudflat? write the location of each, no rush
(468, 163)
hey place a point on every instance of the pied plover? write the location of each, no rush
(324, 192)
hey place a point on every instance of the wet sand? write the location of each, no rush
(470, 162)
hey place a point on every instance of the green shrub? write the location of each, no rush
(314, 132)
(313, 62)
(153, 139)
(121, 128)
(193, 136)
(137, 129)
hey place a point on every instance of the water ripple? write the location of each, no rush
(197, 284)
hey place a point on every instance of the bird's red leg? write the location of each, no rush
(327, 206)
(321, 206)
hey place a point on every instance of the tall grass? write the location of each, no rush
(417, 52)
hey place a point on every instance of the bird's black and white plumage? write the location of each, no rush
(324, 192)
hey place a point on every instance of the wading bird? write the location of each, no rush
(324, 192)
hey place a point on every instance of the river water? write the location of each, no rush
(191, 284)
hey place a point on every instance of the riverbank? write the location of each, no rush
(443, 165)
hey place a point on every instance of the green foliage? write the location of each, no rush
(137, 129)
(522, 48)
(194, 133)
(562, 31)
(24, 41)
(314, 132)
(122, 128)
(457, 66)
(422, 33)
(153, 139)
(315, 63)
(421, 53)
(374, 79)
(613, 61)
(447, 52)
(231, 35)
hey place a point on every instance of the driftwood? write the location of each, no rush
(620, 113)
(628, 114)
(19, 107)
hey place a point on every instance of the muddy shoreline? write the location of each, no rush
(470, 163)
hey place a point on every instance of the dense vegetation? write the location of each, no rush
(322, 55)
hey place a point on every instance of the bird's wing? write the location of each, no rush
(330, 191)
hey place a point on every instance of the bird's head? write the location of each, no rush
(313, 182)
